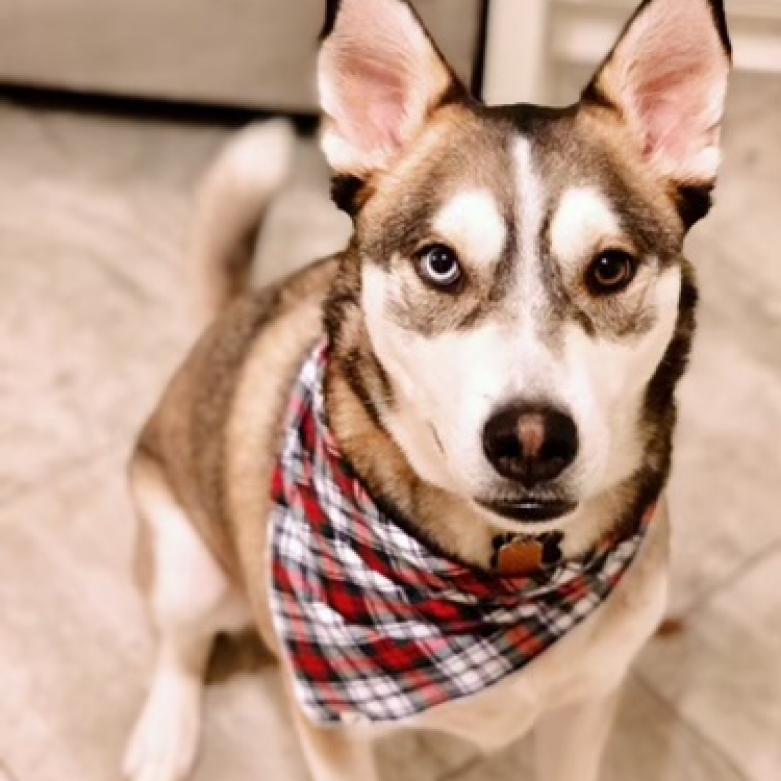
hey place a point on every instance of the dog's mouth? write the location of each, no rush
(530, 510)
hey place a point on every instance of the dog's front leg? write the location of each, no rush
(334, 754)
(569, 742)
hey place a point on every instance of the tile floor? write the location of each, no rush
(93, 215)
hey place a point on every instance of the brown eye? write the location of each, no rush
(611, 272)
(438, 265)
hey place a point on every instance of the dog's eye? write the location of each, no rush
(610, 272)
(438, 265)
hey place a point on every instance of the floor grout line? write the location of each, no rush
(10, 775)
(695, 730)
(453, 774)
(730, 579)
(65, 469)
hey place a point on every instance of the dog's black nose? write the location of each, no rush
(530, 444)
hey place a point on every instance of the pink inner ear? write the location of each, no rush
(379, 77)
(376, 95)
(676, 111)
(674, 77)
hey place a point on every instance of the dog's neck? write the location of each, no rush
(451, 524)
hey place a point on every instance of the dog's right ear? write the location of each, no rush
(380, 77)
(666, 81)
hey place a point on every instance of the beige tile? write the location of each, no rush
(88, 262)
(724, 491)
(422, 757)
(76, 649)
(79, 369)
(652, 743)
(247, 733)
(514, 764)
(649, 743)
(722, 672)
(72, 642)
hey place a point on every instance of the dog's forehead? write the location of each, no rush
(457, 173)
(517, 180)
(588, 182)
(483, 177)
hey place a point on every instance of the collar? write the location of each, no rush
(377, 627)
(526, 555)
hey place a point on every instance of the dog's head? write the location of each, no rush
(518, 269)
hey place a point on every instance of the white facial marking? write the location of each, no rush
(605, 383)
(531, 361)
(531, 197)
(472, 222)
(447, 383)
(403, 356)
(583, 218)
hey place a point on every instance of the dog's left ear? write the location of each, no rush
(380, 77)
(666, 79)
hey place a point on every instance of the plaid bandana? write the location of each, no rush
(377, 627)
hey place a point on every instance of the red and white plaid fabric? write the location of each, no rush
(377, 627)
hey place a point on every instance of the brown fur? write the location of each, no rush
(188, 437)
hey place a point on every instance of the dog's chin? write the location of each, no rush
(528, 510)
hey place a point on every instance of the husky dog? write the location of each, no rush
(505, 332)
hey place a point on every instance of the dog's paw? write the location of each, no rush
(165, 740)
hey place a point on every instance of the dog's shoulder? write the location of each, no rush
(224, 404)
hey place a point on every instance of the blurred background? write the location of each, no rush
(109, 113)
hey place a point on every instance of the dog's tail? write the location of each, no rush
(229, 210)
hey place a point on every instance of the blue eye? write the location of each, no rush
(439, 266)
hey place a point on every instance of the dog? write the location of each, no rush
(481, 387)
